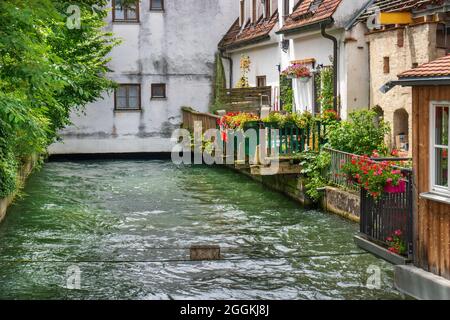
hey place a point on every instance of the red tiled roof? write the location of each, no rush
(250, 33)
(396, 5)
(436, 68)
(303, 15)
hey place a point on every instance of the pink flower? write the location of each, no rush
(398, 233)
(389, 239)
(389, 180)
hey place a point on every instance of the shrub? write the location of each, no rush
(360, 135)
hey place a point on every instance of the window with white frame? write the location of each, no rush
(440, 137)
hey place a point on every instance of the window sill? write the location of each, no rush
(127, 110)
(157, 10)
(126, 22)
(158, 98)
(436, 197)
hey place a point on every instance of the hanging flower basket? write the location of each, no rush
(391, 188)
(297, 71)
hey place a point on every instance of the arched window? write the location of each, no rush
(380, 114)
(401, 129)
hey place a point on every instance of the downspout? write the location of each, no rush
(230, 60)
(335, 63)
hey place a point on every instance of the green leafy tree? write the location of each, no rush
(47, 69)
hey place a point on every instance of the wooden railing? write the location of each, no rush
(208, 120)
(246, 99)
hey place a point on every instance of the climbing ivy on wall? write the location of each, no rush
(219, 84)
(286, 94)
(48, 67)
(324, 81)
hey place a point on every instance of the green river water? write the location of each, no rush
(117, 220)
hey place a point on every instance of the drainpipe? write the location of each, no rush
(230, 60)
(335, 63)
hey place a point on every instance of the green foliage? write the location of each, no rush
(361, 135)
(326, 92)
(219, 84)
(286, 94)
(314, 166)
(46, 71)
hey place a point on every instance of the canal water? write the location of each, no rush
(122, 229)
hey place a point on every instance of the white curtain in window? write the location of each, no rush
(304, 95)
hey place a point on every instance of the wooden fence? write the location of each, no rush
(246, 99)
(208, 120)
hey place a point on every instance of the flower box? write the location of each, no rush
(391, 188)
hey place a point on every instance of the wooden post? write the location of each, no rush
(205, 252)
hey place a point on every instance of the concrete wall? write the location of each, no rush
(419, 47)
(175, 47)
(23, 174)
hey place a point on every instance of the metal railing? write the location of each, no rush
(290, 139)
(379, 218)
(336, 174)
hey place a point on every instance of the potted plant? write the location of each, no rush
(396, 243)
(299, 71)
(375, 177)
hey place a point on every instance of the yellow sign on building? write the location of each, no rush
(395, 18)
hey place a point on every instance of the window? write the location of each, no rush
(158, 90)
(286, 8)
(440, 175)
(386, 65)
(125, 13)
(443, 36)
(157, 5)
(400, 38)
(315, 4)
(242, 13)
(267, 9)
(128, 97)
(261, 81)
(254, 11)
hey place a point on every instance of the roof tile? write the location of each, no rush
(251, 32)
(436, 68)
(304, 15)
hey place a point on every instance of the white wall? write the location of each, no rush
(264, 61)
(175, 47)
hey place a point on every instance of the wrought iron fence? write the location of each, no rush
(290, 140)
(379, 218)
(336, 174)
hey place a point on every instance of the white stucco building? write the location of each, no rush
(166, 61)
(253, 35)
(275, 34)
(307, 30)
